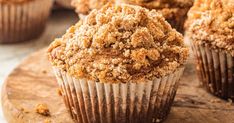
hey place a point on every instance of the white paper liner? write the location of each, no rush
(26, 21)
(216, 70)
(94, 102)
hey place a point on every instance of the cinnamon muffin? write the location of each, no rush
(121, 64)
(22, 20)
(211, 30)
(174, 11)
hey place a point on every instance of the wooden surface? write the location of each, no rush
(32, 83)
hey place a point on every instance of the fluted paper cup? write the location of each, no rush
(95, 102)
(23, 21)
(215, 68)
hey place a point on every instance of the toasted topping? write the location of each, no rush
(212, 22)
(119, 43)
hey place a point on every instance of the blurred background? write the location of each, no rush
(61, 17)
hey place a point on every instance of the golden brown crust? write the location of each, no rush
(120, 43)
(14, 1)
(211, 22)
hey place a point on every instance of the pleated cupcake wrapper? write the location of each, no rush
(95, 102)
(26, 21)
(216, 70)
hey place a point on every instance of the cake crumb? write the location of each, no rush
(42, 109)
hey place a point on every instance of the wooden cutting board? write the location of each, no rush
(33, 83)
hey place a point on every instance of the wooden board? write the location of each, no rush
(32, 83)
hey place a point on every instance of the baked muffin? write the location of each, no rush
(121, 64)
(211, 30)
(22, 20)
(174, 11)
(83, 7)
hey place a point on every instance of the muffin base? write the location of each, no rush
(215, 68)
(94, 102)
(21, 22)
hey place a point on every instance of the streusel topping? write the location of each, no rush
(211, 22)
(120, 43)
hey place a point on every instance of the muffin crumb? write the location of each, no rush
(42, 109)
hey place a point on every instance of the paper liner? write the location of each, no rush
(216, 70)
(26, 21)
(94, 102)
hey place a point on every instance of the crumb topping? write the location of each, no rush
(212, 22)
(119, 43)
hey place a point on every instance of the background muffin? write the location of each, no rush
(174, 11)
(121, 64)
(83, 7)
(211, 29)
(22, 20)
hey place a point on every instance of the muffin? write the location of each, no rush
(22, 20)
(174, 11)
(83, 7)
(121, 64)
(211, 30)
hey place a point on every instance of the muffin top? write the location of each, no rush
(119, 43)
(85, 6)
(14, 1)
(212, 22)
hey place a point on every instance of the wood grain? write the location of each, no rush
(33, 82)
